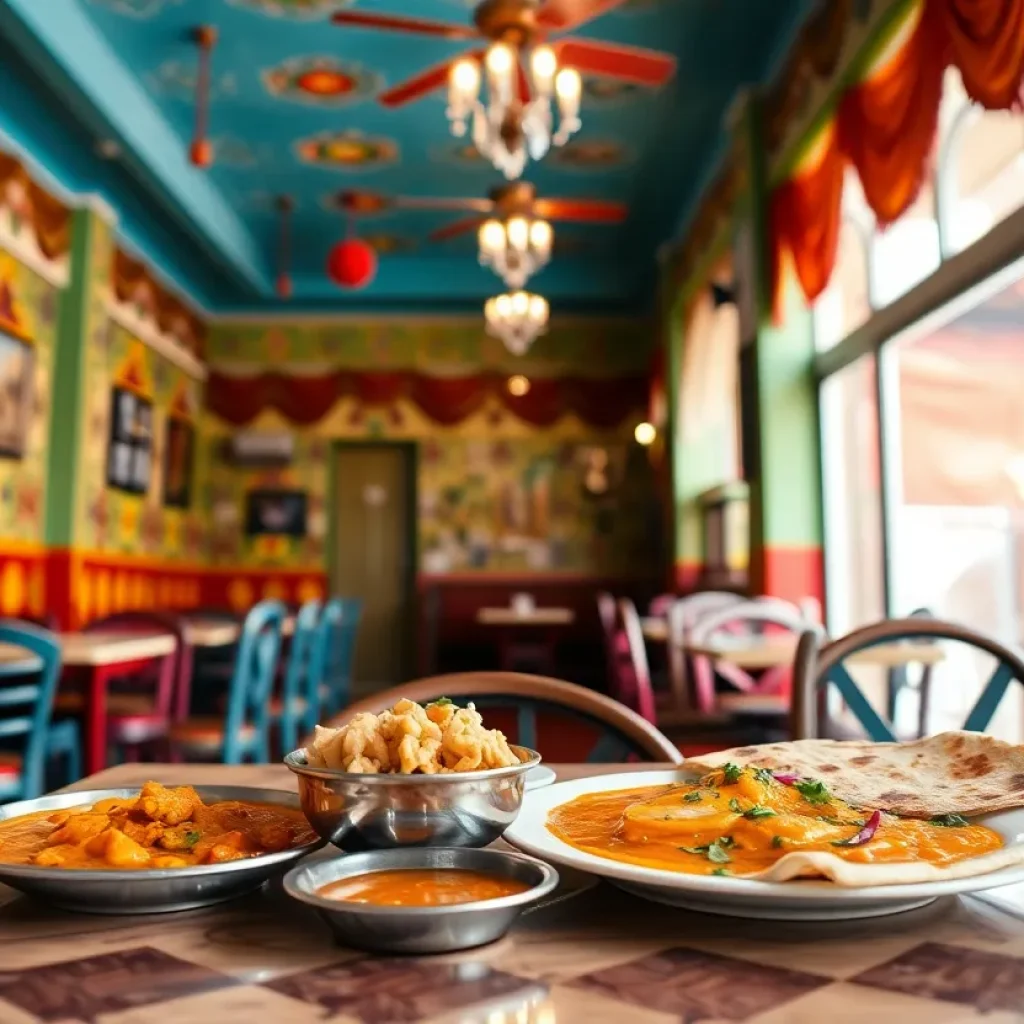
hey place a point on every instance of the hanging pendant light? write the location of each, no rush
(516, 319)
(516, 248)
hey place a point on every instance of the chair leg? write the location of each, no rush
(73, 760)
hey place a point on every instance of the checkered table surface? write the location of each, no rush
(594, 956)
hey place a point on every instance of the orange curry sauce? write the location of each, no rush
(739, 821)
(412, 887)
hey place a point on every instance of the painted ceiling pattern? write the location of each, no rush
(295, 111)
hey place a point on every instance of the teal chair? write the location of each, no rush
(814, 671)
(243, 733)
(28, 736)
(303, 677)
(343, 614)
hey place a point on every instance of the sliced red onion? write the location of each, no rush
(786, 778)
(866, 834)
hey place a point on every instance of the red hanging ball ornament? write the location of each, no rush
(352, 263)
(284, 286)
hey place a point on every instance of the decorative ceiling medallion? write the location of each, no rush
(608, 92)
(591, 155)
(388, 245)
(302, 9)
(347, 151)
(177, 80)
(359, 202)
(321, 81)
(141, 9)
(464, 155)
(236, 152)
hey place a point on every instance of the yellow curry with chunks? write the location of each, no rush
(160, 828)
(740, 821)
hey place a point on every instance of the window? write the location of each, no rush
(129, 456)
(905, 253)
(845, 303)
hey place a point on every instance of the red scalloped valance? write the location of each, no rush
(885, 127)
(304, 400)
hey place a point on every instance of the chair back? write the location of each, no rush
(614, 640)
(566, 722)
(635, 689)
(172, 684)
(814, 672)
(252, 682)
(343, 614)
(693, 607)
(303, 673)
(26, 704)
(659, 606)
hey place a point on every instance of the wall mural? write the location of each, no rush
(177, 79)
(321, 81)
(303, 9)
(346, 151)
(591, 155)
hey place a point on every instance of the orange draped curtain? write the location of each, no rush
(885, 127)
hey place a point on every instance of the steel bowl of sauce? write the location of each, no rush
(427, 900)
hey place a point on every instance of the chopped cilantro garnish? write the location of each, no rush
(191, 838)
(859, 822)
(717, 854)
(950, 821)
(763, 775)
(697, 850)
(735, 806)
(720, 871)
(813, 791)
(757, 811)
(727, 841)
(776, 841)
(731, 772)
(442, 701)
(693, 798)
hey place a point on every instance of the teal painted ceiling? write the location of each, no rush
(296, 110)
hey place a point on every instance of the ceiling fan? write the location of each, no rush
(521, 24)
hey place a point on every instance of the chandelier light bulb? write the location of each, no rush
(569, 85)
(491, 238)
(543, 68)
(520, 303)
(538, 308)
(465, 77)
(541, 237)
(503, 305)
(518, 232)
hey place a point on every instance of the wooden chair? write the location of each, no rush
(634, 671)
(733, 621)
(302, 677)
(243, 733)
(565, 722)
(141, 707)
(343, 614)
(815, 670)
(28, 735)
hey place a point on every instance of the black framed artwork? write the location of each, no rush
(279, 512)
(130, 453)
(17, 371)
(178, 458)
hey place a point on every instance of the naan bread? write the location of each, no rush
(953, 773)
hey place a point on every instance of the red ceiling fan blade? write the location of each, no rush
(456, 228)
(418, 86)
(627, 63)
(420, 26)
(562, 15)
(590, 211)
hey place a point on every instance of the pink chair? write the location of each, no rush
(634, 673)
(142, 707)
(659, 606)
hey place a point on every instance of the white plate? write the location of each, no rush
(539, 777)
(738, 897)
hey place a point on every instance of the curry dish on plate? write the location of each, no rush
(160, 828)
(741, 820)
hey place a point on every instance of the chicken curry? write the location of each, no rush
(740, 821)
(160, 828)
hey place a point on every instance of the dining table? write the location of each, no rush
(589, 954)
(527, 635)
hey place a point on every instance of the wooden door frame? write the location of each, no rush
(410, 453)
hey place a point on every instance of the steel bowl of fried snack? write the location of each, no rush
(413, 775)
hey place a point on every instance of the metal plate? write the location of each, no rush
(146, 891)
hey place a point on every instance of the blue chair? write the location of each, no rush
(568, 722)
(815, 671)
(243, 733)
(343, 614)
(27, 734)
(302, 678)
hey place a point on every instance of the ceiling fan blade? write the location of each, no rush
(589, 211)
(456, 228)
(562, 15)
(420, 26)
(481, 206)
(418, 86)
(627, 63)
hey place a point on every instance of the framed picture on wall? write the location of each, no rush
(17, 366)
(278, 512)
(178, 463)
(130, 453)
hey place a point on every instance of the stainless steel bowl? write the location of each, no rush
(377, 812)
(421, 929)
(148, 891)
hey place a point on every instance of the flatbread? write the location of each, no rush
(953, 773)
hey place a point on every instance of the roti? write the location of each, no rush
(963, 773)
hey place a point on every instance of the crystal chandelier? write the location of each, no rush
(507, 129)
(515, 249)
(517, 319)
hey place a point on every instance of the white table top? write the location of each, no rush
(92, 649)
(534, 617)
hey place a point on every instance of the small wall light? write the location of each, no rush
(518, 385)
(645, 433)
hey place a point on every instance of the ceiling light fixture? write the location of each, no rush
(517, 319)
(516, 122)
(516, 248)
